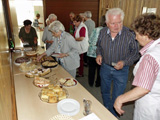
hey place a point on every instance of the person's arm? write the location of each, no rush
(44, 36)
(40, 56)
(20, 35)
(131, 95)
(134, 51)
(35, 36)
(99, 59)
(144, 80)
(79, 39)
(99, 48)
(82, 33)
(35, 40)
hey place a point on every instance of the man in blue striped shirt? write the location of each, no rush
(117, 49)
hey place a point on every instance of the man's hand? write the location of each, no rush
(99, 59)
(119, 65)
(118, 106)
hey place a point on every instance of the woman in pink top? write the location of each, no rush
(146, 72)
(81, 36)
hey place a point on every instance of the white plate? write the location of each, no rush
(68, 107)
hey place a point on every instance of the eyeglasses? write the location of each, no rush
(116, 23)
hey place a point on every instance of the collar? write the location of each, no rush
(108, 31)
(145, 48)
(60, 36)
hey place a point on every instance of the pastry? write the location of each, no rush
(30, 75)
(53, 94)
(52, 99)
(44, 97)
(45, 72)
(70, 81)
(41, 81)
(31, 53)
(61, 95)
(38, 72)
(57, 88)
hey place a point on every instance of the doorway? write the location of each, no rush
(22, 10)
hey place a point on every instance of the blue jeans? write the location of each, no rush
(119, 78)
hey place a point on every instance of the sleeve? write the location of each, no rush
(20, 33)
(133, 55)
(146, 73)
(82, 32)
(51, 49)
(44, 37)
(92, 36)
(34, 33)
(73, 45)
(99, 48)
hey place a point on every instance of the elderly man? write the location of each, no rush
(47, 35)
(117, 49)
(90, 26)
(89, 22)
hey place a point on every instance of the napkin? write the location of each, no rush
(91, 116)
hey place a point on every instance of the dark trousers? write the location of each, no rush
(93, 66)
(85, 57)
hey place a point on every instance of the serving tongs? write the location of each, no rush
(64, 83)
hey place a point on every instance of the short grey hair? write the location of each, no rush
(56, 26)
(81, 14)
(88, 14)
(47, 20)
(115, 11)
(52, 16)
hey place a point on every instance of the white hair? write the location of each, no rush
(88, 14)
(47, 20)
(52, 16)
(114, 11)
(56, 26)
(81, 14)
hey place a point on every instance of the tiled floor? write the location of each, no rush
(128, 108)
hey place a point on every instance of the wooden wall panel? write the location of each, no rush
(131, 8)
(62, 8)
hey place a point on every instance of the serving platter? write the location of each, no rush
(49, 64)
(69, 82)
(53, 94)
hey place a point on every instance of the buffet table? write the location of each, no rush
(30, 107)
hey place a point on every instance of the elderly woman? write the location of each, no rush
(147, 71)
(28, 34)
(66, 46)
(47, 37)
(81, 36)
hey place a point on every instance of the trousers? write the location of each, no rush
(118, 79)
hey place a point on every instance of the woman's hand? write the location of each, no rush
(118, 105)
(39, 57)
(61, 55)
(49, 41)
